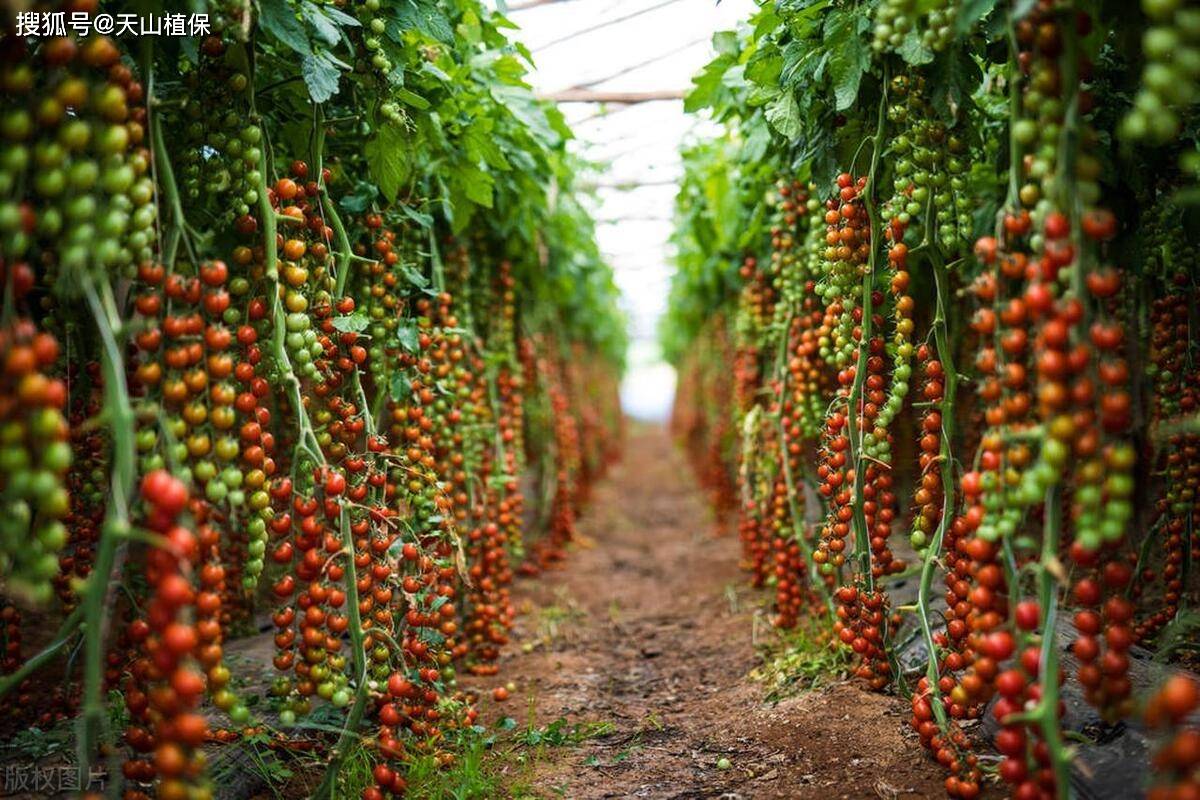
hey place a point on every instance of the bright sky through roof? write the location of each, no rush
(650, 45)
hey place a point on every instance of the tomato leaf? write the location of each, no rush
(970, 13)
(784, 115)
(849, 56)
(325, 25)
(352, 323)
(321, 76)
(279, 19)
(411, 98)
(387, 159)
(398, 385)
(913, 50)
(424, 17)
(407, 337)
(414, 276)
(359, 200)
(420, 218)
(953, 77)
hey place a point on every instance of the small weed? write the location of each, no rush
(624, 755)
(466, 778)
(651, 721)
(253, 754)
(356, 771)
(799, 660)
(554, 621)
(1179, 636)
(34, 744)
(560, 733)
(731, 594)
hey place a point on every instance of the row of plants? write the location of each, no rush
(934, 319)
(304, 329)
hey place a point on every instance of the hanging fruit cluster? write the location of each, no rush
(978, 362)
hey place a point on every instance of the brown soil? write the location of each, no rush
(647, 626)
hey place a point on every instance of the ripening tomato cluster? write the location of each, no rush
(1178, 754)
(35, 455)
(165, 684)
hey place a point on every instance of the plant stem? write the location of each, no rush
(1046, 713)
(342, 252)
(165, 174)
(862, 536)
(941, 336)
(64, 634)
(119, 414)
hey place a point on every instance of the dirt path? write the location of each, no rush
(648, 628)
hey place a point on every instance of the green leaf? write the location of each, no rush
(387, 159)
(410, 98)
(431, 636)
(421, 219)
(971, 12)
(415, 277)
(325, 28)
(424, 17)
(1021, 8)
(765, 22)
(849, 55)
(473, 184)
(725, 42)
(755, 146)
(481, 144)
(953, 78)
(339, 17)
(913, 50)
(321, 76)
(803, 24)
(398, 385)
(764, 68)
(408, 337)
(706, 84)
(278, 18)
(784, 115)
(436, 71)
(359, 200)
(352, 323)
(190, 47)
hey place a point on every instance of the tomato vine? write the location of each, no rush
(303, 322)
(1003, 276)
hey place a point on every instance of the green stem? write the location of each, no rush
(862, 536)
(342, 252)
(435, 256)
(798, 526)
(941, 335)
(359, 656)
(119, 414)
(165, 174)
(65, 632)
(1046, 712)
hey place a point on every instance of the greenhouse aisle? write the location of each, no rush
(645, 634)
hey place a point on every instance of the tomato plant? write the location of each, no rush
(302, 322)
(994, 390)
